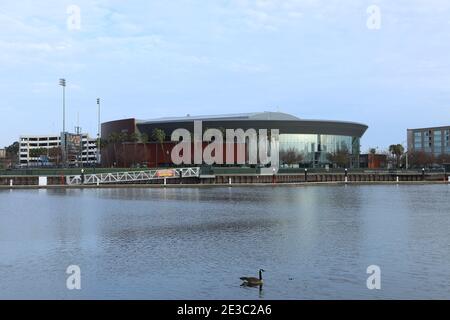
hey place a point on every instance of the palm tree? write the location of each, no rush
(397, 151)
(123, 137)
(159, 135)
(103, 143)
(114, 138)
(134, 137)
(144, 140)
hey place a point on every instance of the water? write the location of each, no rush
(315, 242)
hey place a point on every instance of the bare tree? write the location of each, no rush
(341, 157)
(291, 156)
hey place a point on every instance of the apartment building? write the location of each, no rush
(434, 141)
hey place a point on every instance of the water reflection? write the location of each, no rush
(183, 243)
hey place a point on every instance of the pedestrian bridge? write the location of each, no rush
(132, 176)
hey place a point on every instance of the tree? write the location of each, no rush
(341, 157)
(13, 149)
(291, 156)
(114, 138)
(144, 140)
(159, 135)
(103, 143)
(420, 159)
(373, 151)
(443, 159)
(12, 152)
(123, 137)
(55, 154)
(134, 138)
(37, 152)
(397, 150)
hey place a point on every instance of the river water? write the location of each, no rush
(314, 242)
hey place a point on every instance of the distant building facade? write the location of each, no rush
(434, 141)
(373, 161)
(314, 140)
(81, 149)
(5, 162)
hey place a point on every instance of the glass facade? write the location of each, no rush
(315, 147)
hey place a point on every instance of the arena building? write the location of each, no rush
(308, 143)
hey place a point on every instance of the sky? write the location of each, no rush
(383, 63)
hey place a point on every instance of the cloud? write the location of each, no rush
(268, 15)
(263, 51)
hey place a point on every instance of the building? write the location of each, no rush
(434, 141)
(314, 140)
(5, 162)
(45, 150)
(373, 161)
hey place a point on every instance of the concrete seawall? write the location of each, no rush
(7, 182)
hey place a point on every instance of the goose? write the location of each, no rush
(252, 281)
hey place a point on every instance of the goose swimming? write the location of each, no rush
(252, 281)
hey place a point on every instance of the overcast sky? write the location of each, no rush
(318, 59)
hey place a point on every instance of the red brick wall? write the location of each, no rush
(153, 154)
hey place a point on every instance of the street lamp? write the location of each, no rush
(406, 157)
(98, 132)
(406, 153)
(62, 83)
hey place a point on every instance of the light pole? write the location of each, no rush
(62, 83)
(406, 155)
(98, 133)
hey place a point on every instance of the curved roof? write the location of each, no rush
(286, 123)
(266, 115)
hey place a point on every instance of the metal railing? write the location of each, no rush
(132, 176)
(62, 171)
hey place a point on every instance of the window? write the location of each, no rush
(315, 148)
(438, 138)
(418, 140)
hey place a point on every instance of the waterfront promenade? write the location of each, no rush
(225, 177)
